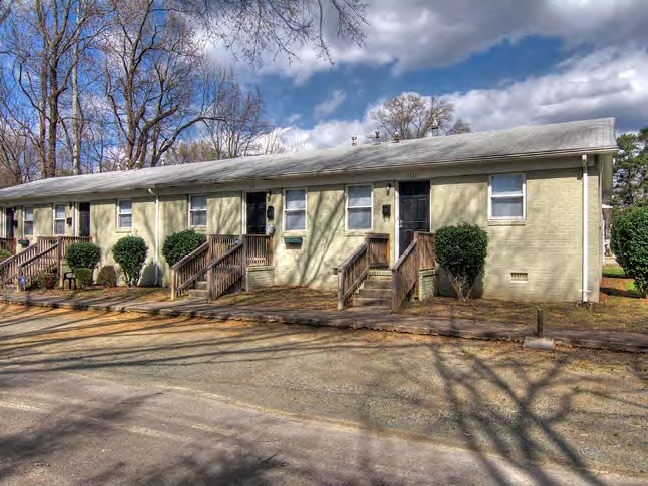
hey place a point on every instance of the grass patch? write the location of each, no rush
(613, 271)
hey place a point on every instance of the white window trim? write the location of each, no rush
(55, 219)
(285, 209)
(346, 209)
(119, 213)
(507, 196)
(24, 213)
(189, 211)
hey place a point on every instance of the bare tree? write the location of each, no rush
(413, 116)
(234, 118)
(460, 126)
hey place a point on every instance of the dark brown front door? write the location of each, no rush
(255, 213)
(414, 202)
(9, 222)
(84, 219)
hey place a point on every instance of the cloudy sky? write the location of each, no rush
(502, 63)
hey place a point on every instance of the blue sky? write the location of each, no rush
(502, 63)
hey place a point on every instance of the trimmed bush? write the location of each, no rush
(461, 251)
(630, 244)
(47, 280)
(4, 254)
(179, 245)
(130, 254)
(83, 277)
(83, 255)
(107, 276)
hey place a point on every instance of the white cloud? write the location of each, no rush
(329, 105)
(609, 82)
(418, 34)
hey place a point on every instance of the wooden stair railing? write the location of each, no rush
(47, 260)
(9, 267)
(8, 244)
(419, 255)
(185, 272)
(227, 271)
(373, 252)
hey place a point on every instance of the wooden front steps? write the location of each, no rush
(376, 290)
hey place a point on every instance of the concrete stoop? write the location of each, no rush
(376, 290)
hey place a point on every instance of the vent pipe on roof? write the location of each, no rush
(396, 137)
(377, 137)
(354, 141)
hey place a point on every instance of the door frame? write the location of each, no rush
(244, 208)
(398, 215)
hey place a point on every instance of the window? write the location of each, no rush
(28, 221)
(295, 210)
(507, 193)
(198, 211)
(359, 207)
(59, 219)
(124, 213)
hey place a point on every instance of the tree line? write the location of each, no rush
(96, 85)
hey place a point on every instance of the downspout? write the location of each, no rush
(585, 251)
(156, 237)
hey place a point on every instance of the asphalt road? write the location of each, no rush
(93, 399)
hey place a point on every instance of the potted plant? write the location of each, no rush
(24, 242)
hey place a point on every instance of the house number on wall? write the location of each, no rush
(411, 175)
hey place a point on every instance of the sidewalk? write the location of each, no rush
(354, 318)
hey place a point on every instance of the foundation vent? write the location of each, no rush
(519, 277)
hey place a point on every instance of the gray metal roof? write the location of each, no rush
(577, 137)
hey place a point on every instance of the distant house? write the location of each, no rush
(537, 190)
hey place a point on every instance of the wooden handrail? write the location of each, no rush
(374, 251)
(189, 269)
(227, 271)
(419, 255)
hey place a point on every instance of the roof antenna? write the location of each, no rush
(354, 141)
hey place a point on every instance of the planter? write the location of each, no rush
(293, 240)
(23, 242)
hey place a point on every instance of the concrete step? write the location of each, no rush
(370, 301)
(200, 285)
(370, 293)
(198, 294)
(380, 274)
(378, 284)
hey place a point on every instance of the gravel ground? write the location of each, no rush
(582, 409)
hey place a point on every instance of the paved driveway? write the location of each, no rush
(88, 397)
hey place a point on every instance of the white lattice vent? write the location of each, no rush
(519, 277)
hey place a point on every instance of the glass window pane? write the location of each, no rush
(29, 228)
(126, 206)
(198, 202)
(125, 220)
(198, 218)
(59, 227)
(507, 207)
(296, 199)
(507, 183)
(29, 214)
(295, 220)
(360, 218)
(59, 211)
(360, 196)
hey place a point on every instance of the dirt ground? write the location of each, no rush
(581, 409)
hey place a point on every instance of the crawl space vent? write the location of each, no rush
(519, 277)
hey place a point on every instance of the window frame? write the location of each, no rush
(492, 196)
(190, 210)
(347, 207)
(286, 210)
(119, 213)
(25, 220)
(55, 219)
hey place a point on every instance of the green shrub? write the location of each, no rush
(107, 276)
(4, 254)
(83, 277)
(83, 255)
(47, 280)
(179, 245)
(630, 244)
(461, 252)
(130, 254)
